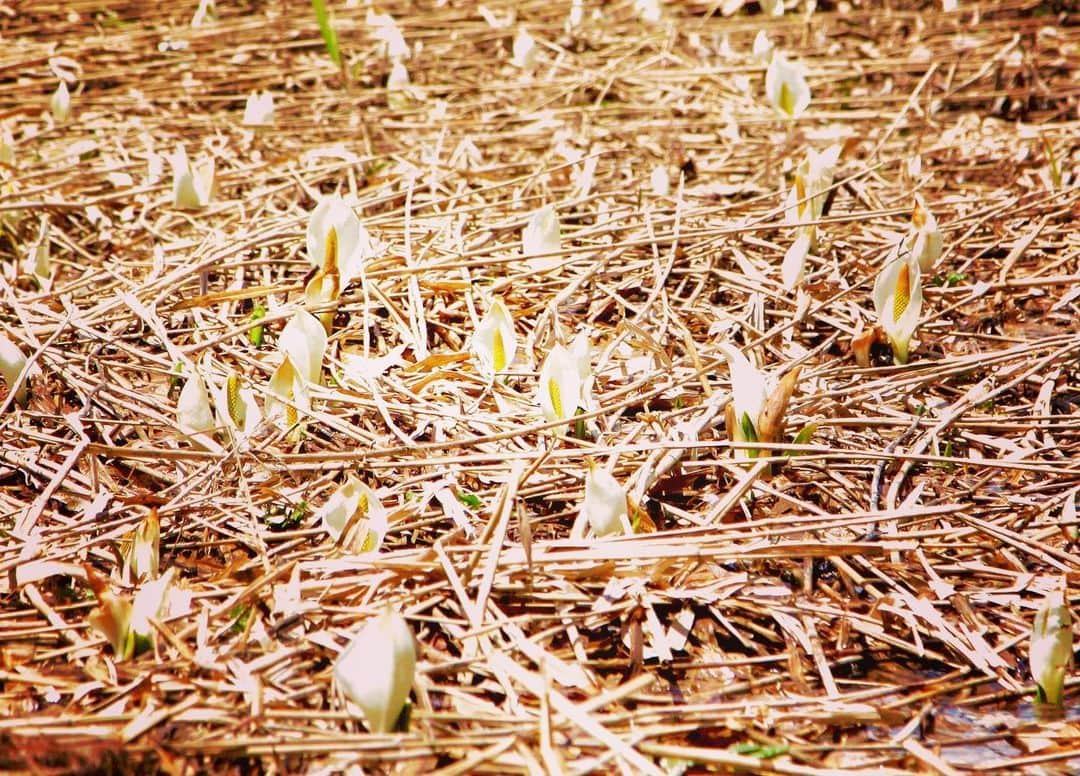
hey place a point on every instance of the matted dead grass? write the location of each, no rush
(865, 609)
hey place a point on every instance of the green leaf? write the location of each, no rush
(802, 438)
(326, 27)
(255, 333)
(764, 751)
(469, 499)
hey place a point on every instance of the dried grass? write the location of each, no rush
(885, 578)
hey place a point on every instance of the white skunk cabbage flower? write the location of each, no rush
(923, 240)
(763, 47)
(143, 554)
(605, 503)
(287, 399)
(805, 204)
(337, 239)
(898, 301)
(126, 623)
(303, 341)
(375, 671)
(559, 392)
(772, 7)
(352, 502)
(541, 236)
(387, 32)
(12, 364)
(495, 342)
(397, 87)
(236, 406)
(660, 181)
(526, 54)
(1051, 648)
(786, 87)
(192, 185)
(794, 266)
(38, 261)
(259, 109)
(7, 145)
(749, 392)
(576, 15)
(648, 10)
(194, 414)
(759, 402)
(60, 104)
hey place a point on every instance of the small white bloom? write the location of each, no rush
(389, 34)
(37, 258)
(749, 392)
(335, 237)
(192, 185)
(148, 602)
(794, 266)
(660, 181)
(786, 87)
(7, 145)
(287, 400)
(259, 109)
(540, 237)
(193, 412)
(605, 503)
(763, 47)
(559, 391)
(236, 407)
(948, 6)
(1051, 647)
(12, 364)
(772, 7)
(60, 104)
(143, 554)
(375, 672)
(577, 13)
(355, 500)
(397, 87)
(303, 341)
(648, 10)
(495, 342)
(526, 53)
(581, 353)
(923, 240)
(898, 302)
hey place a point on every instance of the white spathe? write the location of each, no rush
(334, 227)
(495, 342)
(786, 87)
(287, 401)
(605, 503)
(375, 671)
(397, 85)
(660, 181)
(1051, 647)
(898, 301)
(192, 184)
(749, 392)
(559, 391)
(259, 109)
(526, 54)
(194, 414)
(303, 341)
(541, 236)
(763, 47)
(60, 104)
(12, 364)
(923, 239)
(344, 503)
